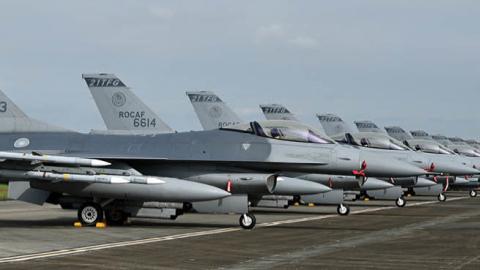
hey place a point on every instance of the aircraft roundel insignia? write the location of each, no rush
(119, 99)
(21, 142)
(215, 111)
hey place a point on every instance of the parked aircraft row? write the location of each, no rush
(140, 167)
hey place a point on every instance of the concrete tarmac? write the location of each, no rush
(377, 235)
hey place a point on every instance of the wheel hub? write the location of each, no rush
(89, 214)
(247, 221)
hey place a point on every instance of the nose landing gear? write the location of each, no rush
(247, 221)
(401, 202)
(343, 210)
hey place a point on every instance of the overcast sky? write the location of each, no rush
(410, 63)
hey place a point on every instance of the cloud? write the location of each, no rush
(278, 33)
(304, 42)
(269, 32)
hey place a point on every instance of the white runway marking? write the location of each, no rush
(73, 251)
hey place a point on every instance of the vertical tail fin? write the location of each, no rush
(420, 134)
(120, 108)
(367, 126)
(277, 112)
(212, 112)
(398, 133)
(13, 119)
(334, 126)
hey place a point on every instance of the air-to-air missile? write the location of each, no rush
(38, 158)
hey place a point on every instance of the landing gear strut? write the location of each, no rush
(401, 202)
(115, 217)
(90, 213)
(473, 193)
(343, 209)
(248, 221)
(442, 197)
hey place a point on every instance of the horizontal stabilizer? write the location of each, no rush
(21, 190)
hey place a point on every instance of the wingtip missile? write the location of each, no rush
(39, 158)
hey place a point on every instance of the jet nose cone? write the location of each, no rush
(454, 168)
(372, 184)
(294, 186)
(391, 167)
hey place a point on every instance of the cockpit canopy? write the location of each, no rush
(467, 151)
(377, 140)
(433, 148)
(283, 130)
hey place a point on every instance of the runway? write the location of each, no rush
(426, 235)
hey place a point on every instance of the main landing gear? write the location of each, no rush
(400, 202)
(116, 217)
(442, 197)
(90, 213)
(247, 221)
(473, 193)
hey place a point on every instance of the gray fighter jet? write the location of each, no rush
(38, 173)
(241, 161)
(372, 137)
(423, 142)
(125, 120)
(345, 134)
(205, 102)
(225, 117)
(465, 152)
(278, 111)
(450, 177)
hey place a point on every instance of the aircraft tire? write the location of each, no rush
(343, 209)
(442, 197)
(473, 193)
(247, 221)
(400, 202)
(90, 213)
(115, 217)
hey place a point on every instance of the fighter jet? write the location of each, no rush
(113, 117)
(376, 138)
(465, 152)
(420, 140)
(241, 161)
(343, 133)
(372, 137)
(226, 117)
(205, 102)
(474, 143)
(38, 172)
(423, 142)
